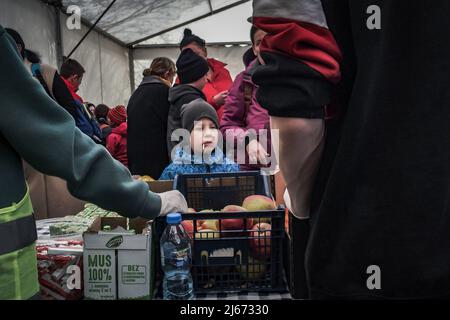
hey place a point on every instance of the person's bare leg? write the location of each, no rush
(301, 144)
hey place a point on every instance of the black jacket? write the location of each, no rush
(179, 96)
(383, 191)
(148, 110)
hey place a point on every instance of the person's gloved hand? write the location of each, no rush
(172, 201)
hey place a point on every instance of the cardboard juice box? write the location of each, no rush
(118, 261)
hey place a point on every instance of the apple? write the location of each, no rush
(235, 224)
(210, 224)
(254, 270)
(233, 208)
(260, 240)
(259, 203)
(200, 222)
(207, 234)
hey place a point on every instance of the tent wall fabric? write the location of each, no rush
(35, 22)
(230, 55)
(107, 77)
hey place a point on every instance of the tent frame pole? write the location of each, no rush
(59, 40)
(131, 67)
(91, 28)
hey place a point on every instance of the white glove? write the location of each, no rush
(288, 204)
(287, 201)
(171, 202)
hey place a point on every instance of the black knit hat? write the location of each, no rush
(195, 111)
(17, 39)
(191, 67)
(189, 38)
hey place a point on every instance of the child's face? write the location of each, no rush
(204, 136)
(258, 38)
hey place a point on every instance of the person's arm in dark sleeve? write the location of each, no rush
(63, 96)
(301, 70)
(302, 58)
(52, 144)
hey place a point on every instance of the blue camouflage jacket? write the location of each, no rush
(185, 163)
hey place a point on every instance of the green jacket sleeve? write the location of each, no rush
(45, 135)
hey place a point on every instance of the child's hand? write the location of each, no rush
(257, 153)
(220, 98)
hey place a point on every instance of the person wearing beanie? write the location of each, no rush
(116, 142)
(201, 153)
(117, 116)
(192, 71)
(219, 78)
(191, 67)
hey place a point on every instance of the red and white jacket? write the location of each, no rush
(301, 55)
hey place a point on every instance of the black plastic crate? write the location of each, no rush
(236, 260)
(216, 190)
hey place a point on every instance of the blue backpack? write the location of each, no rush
(87, 124)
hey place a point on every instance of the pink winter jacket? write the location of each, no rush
(236, 120)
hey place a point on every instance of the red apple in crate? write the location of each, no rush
(235, 224)
(259, 203)
(260, 241)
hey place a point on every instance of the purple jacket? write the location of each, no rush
(236, 120)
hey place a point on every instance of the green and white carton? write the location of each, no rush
(118, 263)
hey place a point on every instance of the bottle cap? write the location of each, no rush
(173, 218)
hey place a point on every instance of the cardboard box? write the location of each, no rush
(117, 264)
(161, 186)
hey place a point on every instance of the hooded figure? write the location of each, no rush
(219, 78)
(116, 143)
(192, 71)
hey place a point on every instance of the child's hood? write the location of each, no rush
(179, 91)
(121, 130)
(186, 156)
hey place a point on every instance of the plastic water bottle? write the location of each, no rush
(176, 257)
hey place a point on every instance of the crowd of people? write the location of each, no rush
(172, 96)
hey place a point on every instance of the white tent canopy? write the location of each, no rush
(133, 22)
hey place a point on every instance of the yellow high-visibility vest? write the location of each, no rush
(18, 262)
